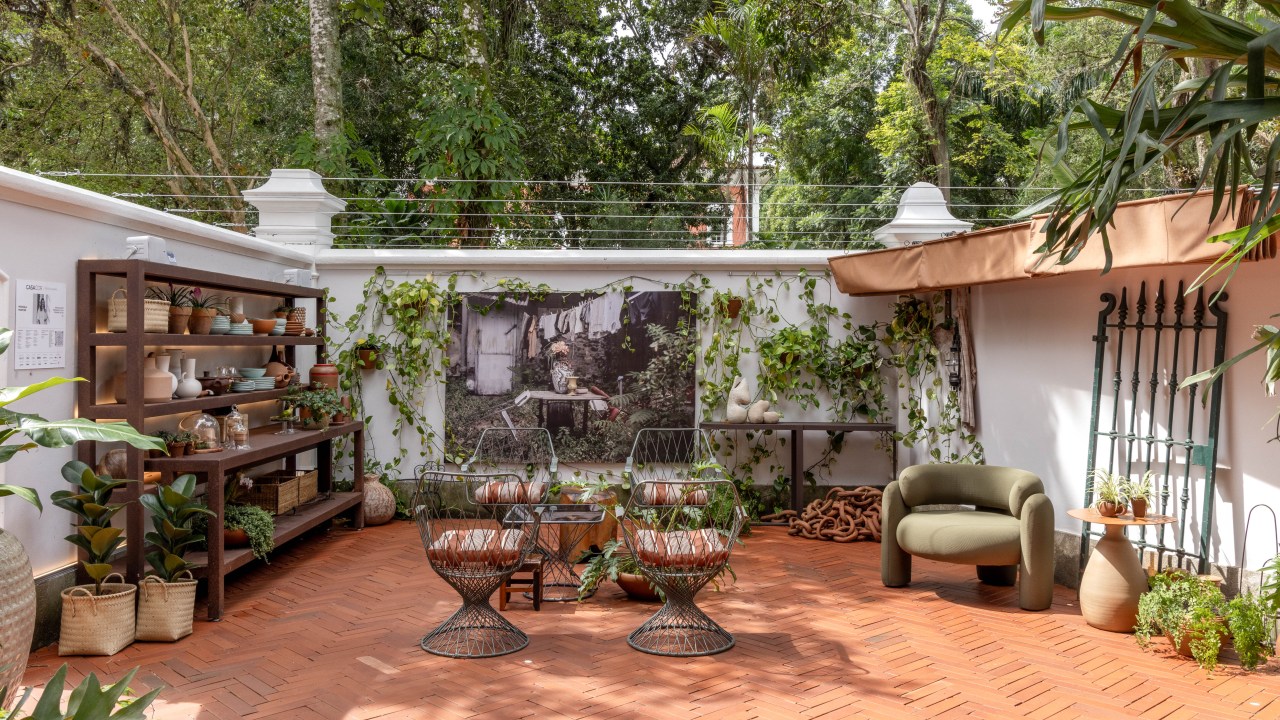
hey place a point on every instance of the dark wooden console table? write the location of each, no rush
(797, 430)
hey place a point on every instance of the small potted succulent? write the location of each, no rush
(1139, 493)
(1108, 488)
(366, 353)
(190, 440)
(281, 311)
(167, 596)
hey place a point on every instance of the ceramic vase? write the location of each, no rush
(157, 384)
(189, 387)
(324, 375)
(560, 372)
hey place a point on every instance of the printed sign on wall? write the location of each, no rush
(40, 330)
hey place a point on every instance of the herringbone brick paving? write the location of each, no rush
(330, 631)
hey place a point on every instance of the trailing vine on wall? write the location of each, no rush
(826, 361)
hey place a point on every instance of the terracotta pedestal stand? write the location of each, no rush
(1114, 578)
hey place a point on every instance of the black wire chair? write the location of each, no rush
(477, 530)
(667, 453)
(681, 530)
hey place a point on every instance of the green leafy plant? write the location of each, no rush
(320, 403)
(188, 438)
(175, 295)
(173, 510)
(197, 300)
(1185, 606)
(90, 700)
(1109, 487)
(257, 523)
(613, 559)
(1139, 488)
(90, 503)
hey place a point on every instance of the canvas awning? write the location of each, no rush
(1168, 230)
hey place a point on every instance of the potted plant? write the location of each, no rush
(175, 446)
(281, 311)
(23, 432)
(179, 299)
(203, 309)
(366, 353)
(1139, 492)
(167, 596)
(97, 619)
(727, 304)
(188, 440)
(315, 408)
(1108, 488)
(615, 562)
(1193, 614)
(256, 523)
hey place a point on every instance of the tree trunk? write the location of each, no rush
(936, 118)
(326, 73)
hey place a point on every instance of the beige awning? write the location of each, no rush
(1169, 230)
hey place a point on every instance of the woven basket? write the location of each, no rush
(276, 492)
(97, 624)
(155, 313)
(308, 486)
(165, 609)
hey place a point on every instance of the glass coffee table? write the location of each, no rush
(563, 527)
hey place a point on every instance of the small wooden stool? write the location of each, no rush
(533, 566)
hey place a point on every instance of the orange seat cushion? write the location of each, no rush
(456, 548)
(510, 491)
(681, 548)
(661, 493)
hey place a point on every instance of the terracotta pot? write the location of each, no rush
(264, 326)
(201, 321)
(178, 319)
(235, 538)
(368, 358)
(637, 587)
(1139, 507)
(731, 307)
(298, 314)
(1184, 648)
(1106, 509)
(177, 449)
(281, 313)
(324, 375)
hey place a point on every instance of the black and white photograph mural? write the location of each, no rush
(591, 368)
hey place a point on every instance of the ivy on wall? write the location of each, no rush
(826, 361)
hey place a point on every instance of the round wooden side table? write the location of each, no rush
(1114, 578)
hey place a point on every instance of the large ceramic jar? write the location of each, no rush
(157, 384)
(324, 374)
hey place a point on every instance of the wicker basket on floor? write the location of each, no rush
(165, 609)
(97, 624)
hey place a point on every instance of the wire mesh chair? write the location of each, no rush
(465, 521)
(681, 531)
(665, 453)
(525, 451)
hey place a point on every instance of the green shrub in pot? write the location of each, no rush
(173, 513)
(257, 523)
(1185, 606)
(90, 503)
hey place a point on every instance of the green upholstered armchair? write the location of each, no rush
(1008, 533)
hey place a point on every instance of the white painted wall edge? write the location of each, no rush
(569, 260)
(38, 192)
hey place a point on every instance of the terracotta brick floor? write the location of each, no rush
(331, 628)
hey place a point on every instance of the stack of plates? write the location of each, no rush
(280, 326)
(244, 385)
(221, 325)
(264, 383)
(244, 328)
(293, 327)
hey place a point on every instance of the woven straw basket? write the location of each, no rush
(165, 609)
(17, 613)
(97, 624)
(155, 314)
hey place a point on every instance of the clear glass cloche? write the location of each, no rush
(206, 429)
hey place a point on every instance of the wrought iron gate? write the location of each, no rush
(1152, 425)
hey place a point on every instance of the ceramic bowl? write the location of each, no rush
(252, 373)
(264, 326)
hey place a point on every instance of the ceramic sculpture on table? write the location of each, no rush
(739, 399)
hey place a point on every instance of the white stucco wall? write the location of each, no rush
(1035, 359)
(47, 227)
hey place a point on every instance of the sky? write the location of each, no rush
(983, 11)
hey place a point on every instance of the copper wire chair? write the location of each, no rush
(464, 520)
(680, 523)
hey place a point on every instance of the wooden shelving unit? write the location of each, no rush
(212, 468)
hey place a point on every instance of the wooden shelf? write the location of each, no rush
(288, 527)
(264, 446)
(112, 411)
(160, 272)
(167, 340)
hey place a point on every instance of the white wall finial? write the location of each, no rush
(295, 209)
(922, 215)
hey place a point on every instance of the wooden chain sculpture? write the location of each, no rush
(841, 516)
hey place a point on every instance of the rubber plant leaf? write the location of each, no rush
(64, 433)
(23, 492)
